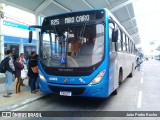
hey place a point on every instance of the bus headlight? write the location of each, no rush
(41, 76)
(98, 78)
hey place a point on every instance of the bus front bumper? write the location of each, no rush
(98, 90)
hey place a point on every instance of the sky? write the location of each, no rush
(147, 13)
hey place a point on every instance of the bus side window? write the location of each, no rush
(110, 39)
(132, 48)
(129, 45)
(119, 41)
(124, 45)
(112, 45)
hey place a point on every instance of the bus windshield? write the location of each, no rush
(72, 46)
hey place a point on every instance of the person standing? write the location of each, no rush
(18, 67)
(23, 62)
(138, 63)
(33, 73)
(9, 73)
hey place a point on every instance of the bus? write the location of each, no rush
(84, 53)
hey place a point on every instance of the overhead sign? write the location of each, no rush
(73, 19)
(16, 25)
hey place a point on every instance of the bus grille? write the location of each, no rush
(75, 91)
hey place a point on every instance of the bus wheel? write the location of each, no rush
(120, 76)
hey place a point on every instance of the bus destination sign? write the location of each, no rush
(72, 19)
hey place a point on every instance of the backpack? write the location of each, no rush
(3, 67)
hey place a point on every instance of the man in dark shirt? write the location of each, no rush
(33, 63)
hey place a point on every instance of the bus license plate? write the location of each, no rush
(66, 93)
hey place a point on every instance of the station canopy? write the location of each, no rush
(121, 9)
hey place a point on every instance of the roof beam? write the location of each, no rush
(59, 5)
(89, 5)
(108, 3)
(42, 6)
(131, 19)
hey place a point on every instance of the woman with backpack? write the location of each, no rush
(9, 73)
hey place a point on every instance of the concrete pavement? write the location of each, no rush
(17, 100)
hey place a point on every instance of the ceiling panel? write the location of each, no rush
(122, 14)
(127, 24)
(136, 29)
(29, 4)
(73, 5)
(113, 1)
(102, 4)
(134, 22)
(135, 36)
(52, 9)
(117, 4)
(131, 31)
(131, 11)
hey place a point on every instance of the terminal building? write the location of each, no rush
(17, 41)
(14, 32)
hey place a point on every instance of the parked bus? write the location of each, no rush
(84, 53)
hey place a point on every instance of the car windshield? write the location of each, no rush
(72, 46)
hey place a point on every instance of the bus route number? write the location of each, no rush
(55, 22)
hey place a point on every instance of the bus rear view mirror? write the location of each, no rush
(115, 35)
(30, 36)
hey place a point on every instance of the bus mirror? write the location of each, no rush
(30, 36)
(115, 35)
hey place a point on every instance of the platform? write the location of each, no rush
(17, 100)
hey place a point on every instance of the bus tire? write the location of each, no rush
(120, 76)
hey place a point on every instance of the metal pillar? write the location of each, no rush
(1, 33)
(37, 32)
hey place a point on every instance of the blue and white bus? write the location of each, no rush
(84, 53)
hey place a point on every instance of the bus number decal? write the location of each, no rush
(55, 22)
